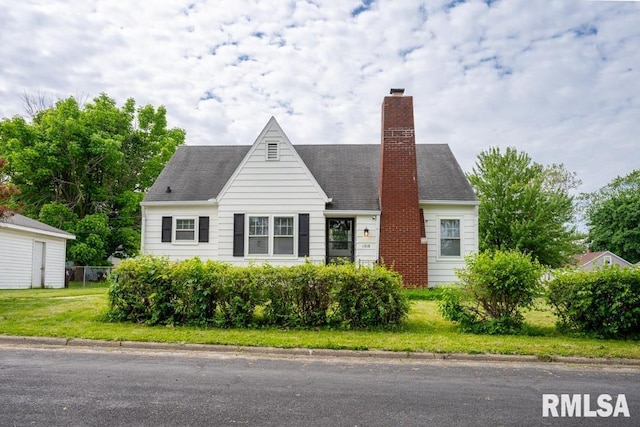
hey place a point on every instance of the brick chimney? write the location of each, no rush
(401, 219)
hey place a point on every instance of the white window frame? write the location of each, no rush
(291, 236)
(440, 237)
(261, 236)
(271, 236)
(174, 232)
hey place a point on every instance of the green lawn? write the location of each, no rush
(78, 312)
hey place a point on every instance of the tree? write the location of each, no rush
(94, 160)
(525, 206)
(613, 217)
(7, 194)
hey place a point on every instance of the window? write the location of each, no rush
(272, 151)
(258, 235)
(607, 259)
(282, 240)
(271, 235)
(185, 230)
(283, 235)
(450, 237)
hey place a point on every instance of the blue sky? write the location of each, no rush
(559, 80)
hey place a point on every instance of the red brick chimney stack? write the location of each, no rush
(401, 219)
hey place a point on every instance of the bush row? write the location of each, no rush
(603, 302)
(155, 290)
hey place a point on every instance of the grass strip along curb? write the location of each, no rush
(305, 352)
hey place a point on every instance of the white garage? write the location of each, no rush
(32, 254)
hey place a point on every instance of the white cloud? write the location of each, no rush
(555, 79)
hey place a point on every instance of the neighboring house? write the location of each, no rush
(406, 205)
(32, 254)
(593, 260)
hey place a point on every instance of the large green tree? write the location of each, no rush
(525, 206)
(85, 168)
(613, 217)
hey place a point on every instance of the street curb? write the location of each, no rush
(307, 352)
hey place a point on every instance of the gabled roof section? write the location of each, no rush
(20, 222)
(346, 174)
(273, 128)
(196, 173)
(590, 257)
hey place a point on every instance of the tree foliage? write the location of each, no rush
(525, 206)
(613, 217)
(96, 160)
(7, 194)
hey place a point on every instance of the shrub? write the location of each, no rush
(495, 287)
(239, 294)
(157, 291)
(367, 297)
(296, 296)
(200, 284)
(604, 302)
(140, 291)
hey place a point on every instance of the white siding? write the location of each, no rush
(152, 237)
(16, 255)
(271, 188)
(442, 269)
(366, 252)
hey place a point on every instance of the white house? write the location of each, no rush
(32, 254)
(407, 205)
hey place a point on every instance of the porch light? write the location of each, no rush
(366, 232)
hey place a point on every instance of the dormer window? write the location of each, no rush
(273, 152)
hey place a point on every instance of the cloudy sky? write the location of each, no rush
(559, 80)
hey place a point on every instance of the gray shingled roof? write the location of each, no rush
(196, 173)
(347, 173)
(23, 221)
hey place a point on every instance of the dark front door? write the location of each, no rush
(340, 239)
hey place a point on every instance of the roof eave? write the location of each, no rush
(61, 235)
(450, 202)
(210, 202)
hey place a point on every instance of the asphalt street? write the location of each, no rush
(83, 386)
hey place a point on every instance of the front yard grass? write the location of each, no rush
(79, 313)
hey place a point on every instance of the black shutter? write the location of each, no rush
(238, 234)
(203, 229)
(303, 235)
(166, 228)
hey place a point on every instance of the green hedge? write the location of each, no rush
(603, 302)
(495, 286)
(155, 290)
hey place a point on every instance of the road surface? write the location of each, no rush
(118, 387)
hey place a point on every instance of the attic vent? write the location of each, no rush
(272, 151)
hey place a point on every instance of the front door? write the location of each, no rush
(37, 275)
(340, 239)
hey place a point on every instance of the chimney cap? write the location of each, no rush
(397, 91)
